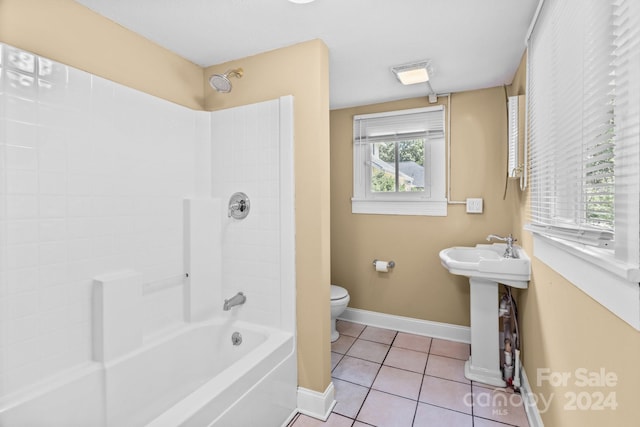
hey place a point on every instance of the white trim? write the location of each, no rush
(399, 112)
(287, 215)
(533, 23)
(603, 258)
(387, 207)
(530, 400)
(290, 418)
(315, 404)
(617, 294)
(445, 331)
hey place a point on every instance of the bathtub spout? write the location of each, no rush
(237, 299)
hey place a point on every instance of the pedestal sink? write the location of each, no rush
(486, 267)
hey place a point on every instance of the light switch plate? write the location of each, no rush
(474, 205)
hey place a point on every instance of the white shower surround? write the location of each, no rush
(258, 255)
(93, 179)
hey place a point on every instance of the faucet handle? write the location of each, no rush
(508, 239)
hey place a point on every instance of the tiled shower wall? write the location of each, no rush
(246, 157)
(92, 178)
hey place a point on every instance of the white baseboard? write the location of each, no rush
(407, 324)
(290, 418)
(315, 404)
(528, 398)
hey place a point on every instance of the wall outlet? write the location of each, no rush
(474, 205)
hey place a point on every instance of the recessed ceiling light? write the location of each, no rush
(409, 74)
(300, 1)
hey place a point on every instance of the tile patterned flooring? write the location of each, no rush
(386, 378)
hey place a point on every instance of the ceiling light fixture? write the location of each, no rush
(300, 1)
(409, 74)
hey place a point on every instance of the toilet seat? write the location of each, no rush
(338, 293)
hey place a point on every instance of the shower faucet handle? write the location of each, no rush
(239, 206)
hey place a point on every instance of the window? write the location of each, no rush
(398, 162)
(584, 132)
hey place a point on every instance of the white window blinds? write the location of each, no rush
(399, 125)
(627, 129)
(583, 174)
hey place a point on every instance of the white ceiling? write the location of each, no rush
(472, 44)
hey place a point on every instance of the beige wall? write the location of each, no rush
(302, 71)
(563, 329)
(66, 31)
(419, 286)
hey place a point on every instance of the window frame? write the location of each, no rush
(433, 203)
(608, 274)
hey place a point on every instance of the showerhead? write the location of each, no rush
(221, 82)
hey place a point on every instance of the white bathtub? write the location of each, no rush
(193, 376)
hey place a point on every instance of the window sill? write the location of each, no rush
(594, 271)
(399, 207)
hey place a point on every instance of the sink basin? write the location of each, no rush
(488, 262)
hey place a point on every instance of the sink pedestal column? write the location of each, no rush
(484, 364)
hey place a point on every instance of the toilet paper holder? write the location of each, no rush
(390, 264)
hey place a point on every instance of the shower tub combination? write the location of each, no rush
(218, 365)
(197, 372)
(215, 365)
(181, 367)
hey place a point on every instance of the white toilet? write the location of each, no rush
(339, 300)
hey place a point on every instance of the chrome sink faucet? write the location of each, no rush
(509, 252)
(237, 299)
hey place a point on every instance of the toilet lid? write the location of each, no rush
(338, 292)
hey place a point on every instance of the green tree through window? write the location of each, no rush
(401, 175)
